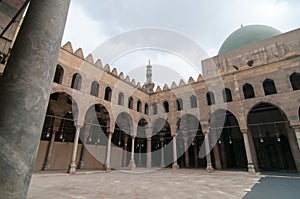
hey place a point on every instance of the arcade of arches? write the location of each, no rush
(268, 144)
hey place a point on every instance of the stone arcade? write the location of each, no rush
(133, 122)
(125, 124)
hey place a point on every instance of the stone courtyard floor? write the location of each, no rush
(163, 184)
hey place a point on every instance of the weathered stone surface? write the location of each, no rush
(24, 93)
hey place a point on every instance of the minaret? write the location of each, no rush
(149, 85)
(149, 73)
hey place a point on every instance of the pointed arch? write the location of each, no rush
(248, 91)
(295, 81)
(59, 73)
(193, 101)
(108, 94)
(94, 89)
(210, 98)
(227, 96)
(269, 87)
(76, 81)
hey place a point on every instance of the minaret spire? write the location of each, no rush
(149, 72)
(149, 85)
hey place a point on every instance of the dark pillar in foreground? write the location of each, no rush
(24, 93)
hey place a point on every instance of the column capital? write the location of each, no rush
(244, 131)
(78, 126)
(295, 127)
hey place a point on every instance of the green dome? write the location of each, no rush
(247, 35)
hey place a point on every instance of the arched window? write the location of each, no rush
(210, 98)
(76, 81)
(227, 97)
(154, 108)
(179, 104)
(146, 109)
(130, 102)
(59, 73)
(121, 99)
(248, 91)
(108, 93)
(193, 101)
(95, 89)
(139, 106)
(269, 87)
(295, 81)
(166, 106)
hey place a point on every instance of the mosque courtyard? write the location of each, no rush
(163, 183)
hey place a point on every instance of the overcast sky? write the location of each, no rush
(92, 22)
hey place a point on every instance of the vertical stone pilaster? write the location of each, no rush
(132, 165)
(296, 129)
(24, 101)
(251, 169)
(209, 166)
(252, 149)
(72, 167)
(294, 145)
(175, 164)
(149, 152)
(108, 152)
(162, 150)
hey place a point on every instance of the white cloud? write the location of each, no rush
(208, 23)
(82, 31)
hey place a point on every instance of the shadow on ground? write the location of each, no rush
(275, 187)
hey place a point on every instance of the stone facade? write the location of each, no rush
(274, 59)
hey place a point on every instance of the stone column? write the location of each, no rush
(125, 150)
(297, 133)
(251, 169)
(209, 167)
(149, 152)
(175, 164)
(186, 153)
(47, 164)
(108, 151)
(162, 150)
(291, 134)
(72, 167)
(216, 149)
(24, 92)
(252, 149)
(132, 165)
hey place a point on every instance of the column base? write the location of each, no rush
(209, 168)
(175, 166)
(251, 169)
(72, 168)
(131, 165)
(47, 166)
(81, 165)
(107, 168)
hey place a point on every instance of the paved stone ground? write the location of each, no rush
(163, 184)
